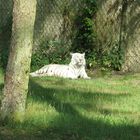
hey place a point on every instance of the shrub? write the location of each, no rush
(114, 57)
(51, 52)
(85, 40)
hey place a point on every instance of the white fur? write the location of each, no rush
(74, 70)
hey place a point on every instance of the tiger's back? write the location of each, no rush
(55, 70)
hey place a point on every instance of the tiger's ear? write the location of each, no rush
(83, 54)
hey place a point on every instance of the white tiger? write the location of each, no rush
(74, 70)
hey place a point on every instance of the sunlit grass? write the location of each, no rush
(98, 109)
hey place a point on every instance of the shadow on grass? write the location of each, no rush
(55, 96)
(72, 125)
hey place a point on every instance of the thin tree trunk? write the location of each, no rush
(17, 73)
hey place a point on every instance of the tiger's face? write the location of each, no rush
(78, 59)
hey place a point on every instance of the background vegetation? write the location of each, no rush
(92, 26)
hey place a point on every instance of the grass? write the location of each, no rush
(103, 108)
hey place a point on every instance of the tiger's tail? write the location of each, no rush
(34, 74)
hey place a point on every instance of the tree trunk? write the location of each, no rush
(17, 73)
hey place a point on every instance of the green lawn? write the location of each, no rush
(103, 108)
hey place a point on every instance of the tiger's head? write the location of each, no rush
(78, 59)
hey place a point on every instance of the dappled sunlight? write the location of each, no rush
(79, 109)
(39, 114)
(77, 106)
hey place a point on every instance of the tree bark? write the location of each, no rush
(17, 73)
